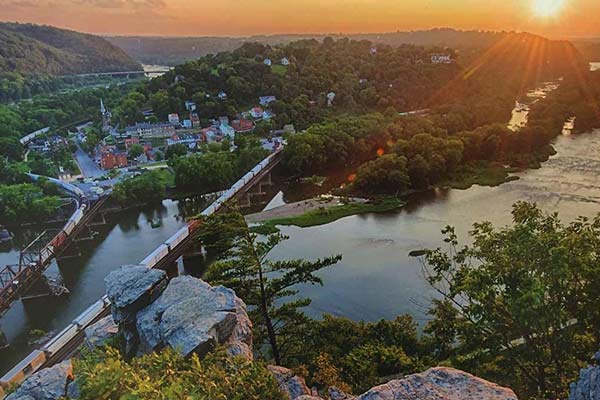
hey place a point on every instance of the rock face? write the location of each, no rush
(103, 330)
(588, 385)
(131, 288)
(192, 316)
(293, 386)
(187, 314)
(437, 384)
(47, 384)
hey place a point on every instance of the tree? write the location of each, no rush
(524, 300)
(265, 284)
(150, 187)
(11, 148)
(388, 174)
(24, 203)
(177, 150)
(136, 150)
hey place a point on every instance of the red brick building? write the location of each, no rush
(113, 160)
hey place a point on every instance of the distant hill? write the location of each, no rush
(176, 50)
(35, 49)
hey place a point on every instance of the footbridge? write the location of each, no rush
(164, 257)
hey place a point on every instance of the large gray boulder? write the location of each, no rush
(439, 383)
(47, 384)
(588, 385)
(192, 316)
(294, 387)
(100, 332)
(131, 288)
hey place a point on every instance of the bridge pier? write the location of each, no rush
(43, 288)
(3, 340)
(172, 270)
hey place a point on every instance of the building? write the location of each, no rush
(106, 116)
(227, 130)
(113, 159)
(285, 62)
(441, 59)
(147, 130)
(190, 140)
(256, 112)
(222, 95)
(190, 105)
(266, 100)
(268, 62)
(131, 141)
(195, 120)
(242, 125)
(210, 135)
(187, 124)
(174, 119)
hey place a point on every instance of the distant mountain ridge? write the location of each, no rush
(177, 50)
(37, 49)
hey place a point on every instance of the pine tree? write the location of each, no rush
(264, 284)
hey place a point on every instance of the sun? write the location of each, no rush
(547, 8)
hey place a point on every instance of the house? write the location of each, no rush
(285, 62)
(441, 59)
(187, 123)
(147, 130)
(265, 100)
(113, 159)
(187, 139)
(242, 125)
(227, 130)
(330, 98)
(131, 141)
(174, 119)
(190, 105)
(289, 129)
(256, 112)
(195, 120)
(222, 95)
(210, 135)
(268, 62)
(267, 115)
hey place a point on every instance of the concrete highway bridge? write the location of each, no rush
(164, 257)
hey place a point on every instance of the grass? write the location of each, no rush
(278, 69)
(325, 216)
(483, 174)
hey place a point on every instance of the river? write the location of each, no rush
(376, 278)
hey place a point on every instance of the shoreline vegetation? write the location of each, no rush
(319, 211)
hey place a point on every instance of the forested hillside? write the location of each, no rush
(176, 50)
(34, 49)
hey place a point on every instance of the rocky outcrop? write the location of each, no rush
(192, 316)
(131, 288)
(187, 314)
(335, 393)
(588, 385)
(293, 386)
(100, 332)
(47, 384)
(439, 383)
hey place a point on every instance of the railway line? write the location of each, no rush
(66, 343)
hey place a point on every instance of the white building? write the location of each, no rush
(174, 119)
(285, 62)
(268, 62)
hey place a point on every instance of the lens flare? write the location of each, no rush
(547, 8)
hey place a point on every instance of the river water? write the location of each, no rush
(376, 278)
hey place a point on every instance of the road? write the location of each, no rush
(88, 167)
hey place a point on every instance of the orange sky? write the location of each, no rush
(246, 17)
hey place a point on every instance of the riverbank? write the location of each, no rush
(319, 211)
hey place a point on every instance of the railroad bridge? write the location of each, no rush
(35, 258)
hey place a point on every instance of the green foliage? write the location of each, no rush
(521, 299)
(216, 169)
(25, 203)
(175, 151)
(150, 187)
(265, 285)
(105, 374)
(338, 350)
(136, 150)
(330, 214)
(388, 174)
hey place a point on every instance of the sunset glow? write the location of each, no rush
(548, 8)
(251, 17)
